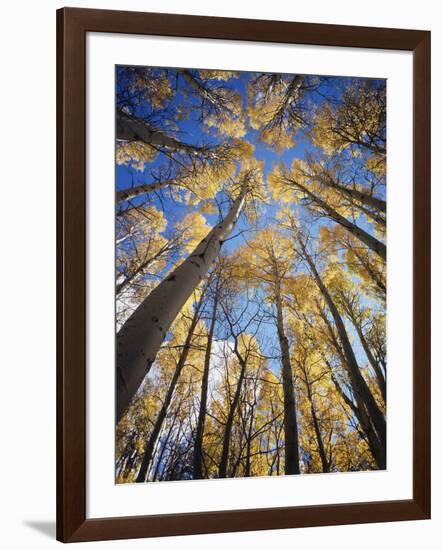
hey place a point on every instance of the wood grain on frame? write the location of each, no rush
(72, 25)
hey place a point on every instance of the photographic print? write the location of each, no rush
(250, 287)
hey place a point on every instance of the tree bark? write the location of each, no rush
(141, 336)
(290, 421)
(132, 192)
(376, 448)
(153, 437)
(130, 128)
(359, 385)
(375, 365)
(291, 95)
(163, 449)
(198, 446)
(205, 93)
(230, 417)
(375, 276)
(248, 466)
(364, 198)
(374, 244)
(321, 448)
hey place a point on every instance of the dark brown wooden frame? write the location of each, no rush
(72, 26)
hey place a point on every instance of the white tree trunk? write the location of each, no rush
(372, 242)
(141, 336)
(127, 194)
(134, 129)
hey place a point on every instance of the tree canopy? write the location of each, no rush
(250, 274)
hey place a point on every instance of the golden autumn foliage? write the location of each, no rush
(211, 74)
(360, 261)
(357, 122)
(231, 120)
(275, 109)
(278, 342)
(192, 228)
(359, 116)
(148, 85)
(134, 153)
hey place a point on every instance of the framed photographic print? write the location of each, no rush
(243, 254)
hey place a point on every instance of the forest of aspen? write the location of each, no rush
(250, 231)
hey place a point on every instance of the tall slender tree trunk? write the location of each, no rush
(375, 365)
(294, 87)
(248, 466)
(358, 381)
(198, 446)
(145, 188)
(141, 336)
(162, 451)
(290, 421)
(363, 198)
(291, 95)
(376, 448)
(321, 448)
(375, 276)
(124, 464)
(358, 409)
(129, 128)
(374, 244)
(199, 87)
(230, 417)
(153, 437)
